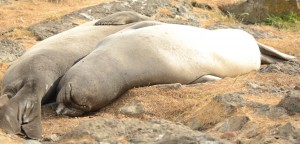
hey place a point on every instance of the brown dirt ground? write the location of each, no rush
(175, 105)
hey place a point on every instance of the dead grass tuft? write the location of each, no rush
(208, 115)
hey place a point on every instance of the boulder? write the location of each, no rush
(234, 123)
(291, 102)
(252, 11)
(162, 10)
(104, 130)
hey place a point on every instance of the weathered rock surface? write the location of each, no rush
(291, 67)
(163, 10)
(135, 108)
(135, 131)
(289, 132)
(234, 123)
(291, 102)
(252, 11)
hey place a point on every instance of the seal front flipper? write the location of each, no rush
(21, 117)
(120, 18)
(205, 78)
(22, 113)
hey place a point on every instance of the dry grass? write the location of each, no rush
(176, 105)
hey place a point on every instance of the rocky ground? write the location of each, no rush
(259, 107)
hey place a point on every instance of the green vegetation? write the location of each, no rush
(291, 20)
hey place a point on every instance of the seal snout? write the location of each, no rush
(67, 105)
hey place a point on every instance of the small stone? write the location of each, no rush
(234, 123)
(252, 133)
(252, 85)
(51, 138)
(289, 132)
(291, 102)
(228, 135)
(297, 88)
(231, 100)
(31, 142)
(134, 109)
(275, 112)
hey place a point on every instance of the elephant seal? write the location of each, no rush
(32, 79)
(158, 54)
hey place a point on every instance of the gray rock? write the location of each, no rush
(49, 28)
(288, 132)
(297, 88)
(253, 85)
(231, 100)
(291, 67)
(10, 50)
(51, 138)
(234, 123)
(252, 11)
(31, 142)
(135, 131)
(291, 102)
(135, 108)
(271, 112)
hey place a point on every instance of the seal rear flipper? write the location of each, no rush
(205, 78)
(121, 18)
(271, 55)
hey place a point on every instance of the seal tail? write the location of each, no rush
(270, 55)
